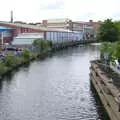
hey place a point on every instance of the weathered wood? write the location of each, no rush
(107, 91)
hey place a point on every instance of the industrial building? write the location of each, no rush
(56, 35)
(57, 30)
(25, 40)
(89, 28)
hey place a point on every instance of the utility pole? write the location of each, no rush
(83, 29)
(11, 17)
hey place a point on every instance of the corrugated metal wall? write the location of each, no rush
(64, 37)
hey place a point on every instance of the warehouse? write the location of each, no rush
(58, 37)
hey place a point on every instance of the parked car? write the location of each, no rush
(13, 49)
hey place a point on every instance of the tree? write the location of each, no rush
(106, 51)
(116, 53)
(117, 24)
(111, 50)
(108, 31)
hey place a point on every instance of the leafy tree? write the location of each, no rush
(106, 51)
(116, 52)
(112, 50)
(108, 31)
(117, 24)
(26, 54)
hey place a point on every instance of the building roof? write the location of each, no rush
(57, 20)
(4, 28)
(30, 35)
(33, 27)
(22, 41)
(26, 38)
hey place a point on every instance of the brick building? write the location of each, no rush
(89, 27)
(58, 23)
(18, 28)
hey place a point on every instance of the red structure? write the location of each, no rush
(21, 28)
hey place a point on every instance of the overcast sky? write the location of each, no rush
(82, 10)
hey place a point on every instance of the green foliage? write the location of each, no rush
(10, 60)
(26, 54)
(42, 44)
(112, 50)
(116, 52)
(50, 43)
(106, 51)
(105, 47)
(3, 68)
(108, 31)
(117, 24)
(19, 60)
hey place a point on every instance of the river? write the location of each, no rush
(53, 88)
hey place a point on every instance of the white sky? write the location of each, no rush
(37, 10)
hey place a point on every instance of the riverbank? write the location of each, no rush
(107, 84)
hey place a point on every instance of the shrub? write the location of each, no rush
(10, 60)
(42, 44)
(3, 67)
(26, 54)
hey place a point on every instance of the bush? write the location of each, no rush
(42, 44)
(50, 43)
(26, 54)
(10, 61)
(3, 68)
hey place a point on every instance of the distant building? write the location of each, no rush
(58, 26)
(89, 28)
(58, 23)
(19, 28)
(21, 22)
(69, 24)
